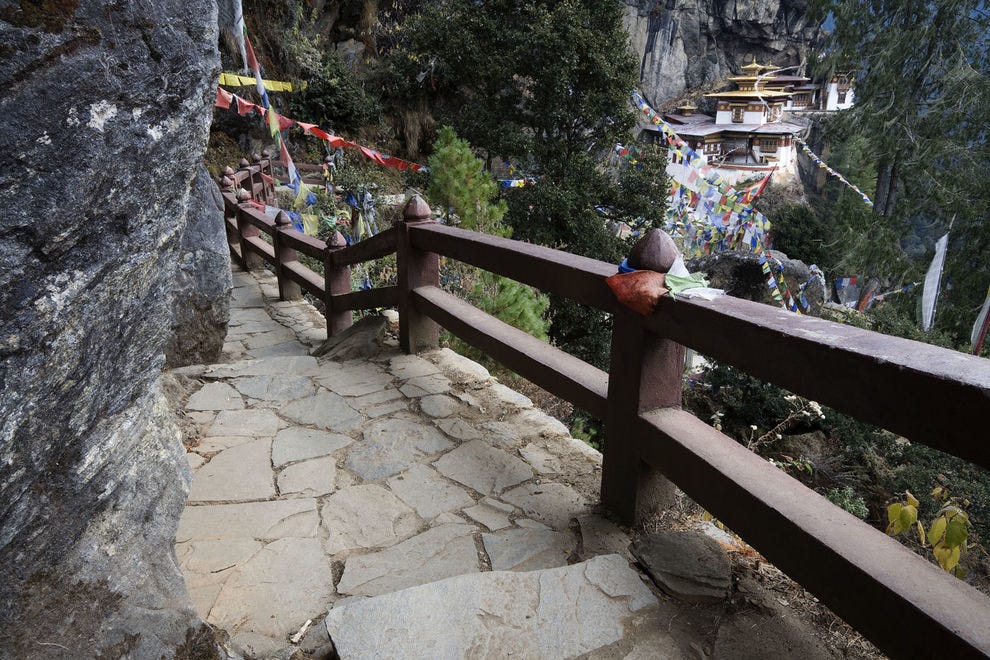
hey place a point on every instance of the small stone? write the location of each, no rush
(536, 422)
(354, 378)
(687, 565)
(540, 459)
(297, 444)
(366, 517)
(255, 423)
(528, 549)
(241, 473)
(411, 366)
(425, 385)
(438, 553)
(602, 537)
(655, 251)
(488, 515)
(426, 491)
(325, 410)
(509, 397)
(459, 368)
(275, 388)
(215, 396)
(254, 520)
(438, 405)
(483, 468)
(553, 503)
(392, 445)
(311, 478)
(457, 428)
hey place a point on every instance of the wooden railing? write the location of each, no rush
(941, 398)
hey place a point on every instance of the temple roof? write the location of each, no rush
(750, 94)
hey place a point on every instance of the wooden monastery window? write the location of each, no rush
(768, 145)
(737, 114)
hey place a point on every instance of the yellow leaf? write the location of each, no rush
(955, 533)
(894, 511)
(942, 554)
(953, 559)
(921, 532)
(937, 530)
(911, 499)
(908, 516)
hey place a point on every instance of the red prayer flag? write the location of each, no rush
(224, 99)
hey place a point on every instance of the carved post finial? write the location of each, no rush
(243, 195)
(265, 153)
(228, 171)
(338, 240)
(243, 163)
(283, 219)
(417, 210)
(256, 157)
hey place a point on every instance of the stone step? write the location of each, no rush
(552, 613)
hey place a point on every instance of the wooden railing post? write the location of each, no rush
(417, 332)
(338, 281)
(645, 374)
(287, 289)
(247, 180)
(266, 170)
(246, 230)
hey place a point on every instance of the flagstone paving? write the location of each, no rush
(412, 480)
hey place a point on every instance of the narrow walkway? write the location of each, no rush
(321, 484)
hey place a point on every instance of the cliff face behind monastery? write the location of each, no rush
(684, 45)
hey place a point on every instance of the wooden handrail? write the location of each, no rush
(928, 394)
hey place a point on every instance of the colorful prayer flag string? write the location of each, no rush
(824, 166)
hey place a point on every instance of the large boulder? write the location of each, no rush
(741, 274)
(201, 305)
(106, 108)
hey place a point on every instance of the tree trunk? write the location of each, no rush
(883, 181)
(892, 189)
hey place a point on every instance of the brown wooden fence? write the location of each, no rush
(900, 601)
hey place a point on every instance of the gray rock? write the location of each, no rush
(374, 399)
(297, 444)
(362, 517)
(281, 388)
(213, 444)
(404, 367)
(300, 365)
(274, 592)
(387, 409)
(687, 565)
(392, 445)
(426, 491)
(655, 251)
(289, 348)
(509, 397)
(457, 428)
(600, 536)
(255, 423)
(255, 520)
(558, 613)
(528, 549)
(536, 422)
(438, 553)
(491, 513)
(215, 396)
(104, 127)
(459, 368)
(361, 340)
(324, 410)
(311, 478)
(540, 459)
(483, 468)
(241, 473)
(425, 385)
(353, 378)
(553, 503)
(201, 302)
(438, 405)
(501, 434)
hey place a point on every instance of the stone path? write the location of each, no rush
(428, 509)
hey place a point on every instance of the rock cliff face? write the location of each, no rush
(106, 108)
(686, 45)
(203, 283)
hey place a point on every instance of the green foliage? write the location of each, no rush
(947, 533)
(335, 98)
(847, 498)
(641, 191)
(459, 185)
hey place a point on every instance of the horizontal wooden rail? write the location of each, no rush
(386, 296)
(568, 275)
(258, 219)
(907, 606)
(309, 280)
(308, 245)
(552, 369)
(376, 247)
(259, 246)
(904, 386)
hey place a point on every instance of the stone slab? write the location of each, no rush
(425, 385)
(312, 478)
(387, 409)
(240, 473)
(212, 562)
(600, 536)
(536, 422)
(300, 365)
(509, 397)
(553, 503)
(459, 368)
(356, 378)
(427, 492)
(374, 399)
(411, 366)
(438, 553)
(278, 334)
(501, 434)
(275, 388)
(215, 443)
(298, 444)
(254, 423)
(255, 520)
(325, 410)
(686, 564)
(555, 613)
(363, 517)
(484, 468)
(215, 396)
(287, 348)
(540, 459)
(274, 592)
(489, 513)
(457, 428)
(392, 445)
(438, 405)
(528, 549)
